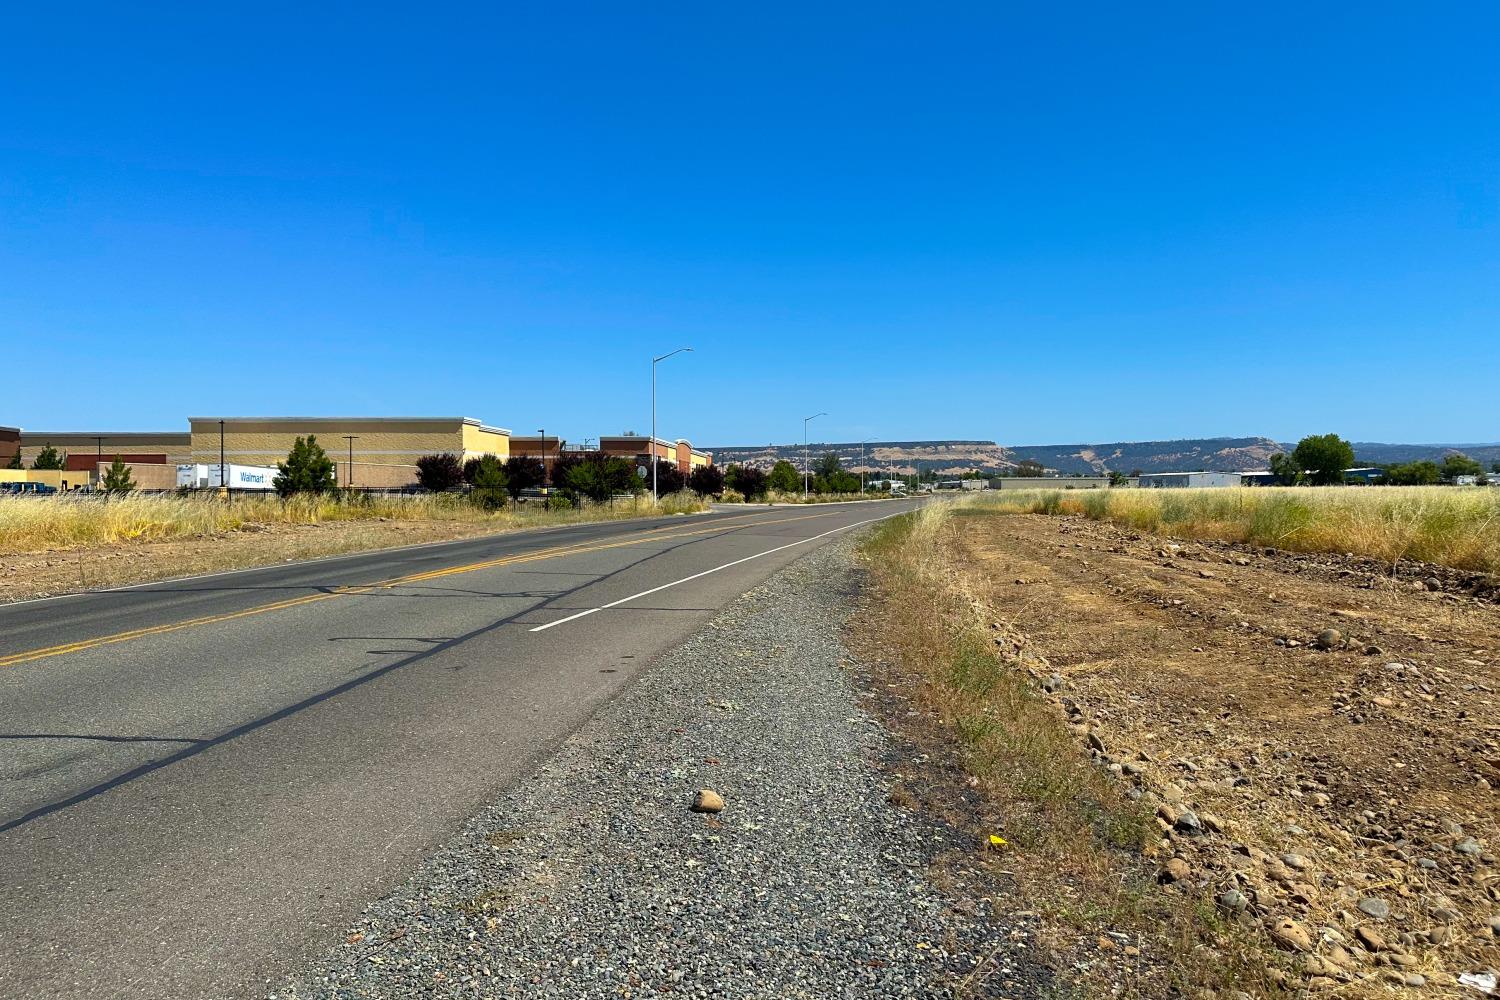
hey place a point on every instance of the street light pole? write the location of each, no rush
(351, 438)
(805, 465)
(543, 432)
(223, 473)
(651, 449)
(862, 468)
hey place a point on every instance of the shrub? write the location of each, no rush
(117, 477)
(523, 472)
(749, 481)
(668, 478)
(706, 480)
(440, 472)
(489, 483)
(307, 469)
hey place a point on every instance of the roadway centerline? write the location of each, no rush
(747, 521)
(695, 576)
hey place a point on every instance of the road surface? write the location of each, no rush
(202, 780)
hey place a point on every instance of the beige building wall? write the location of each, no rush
(176, 446)
(59, 479)
(145, 476)
(386, 449)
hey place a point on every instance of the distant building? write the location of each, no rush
(1365, 475)
(1049, 483)
(1188, 480)
(385, 449)
(640, 449)
(10, 444)
(171, 446)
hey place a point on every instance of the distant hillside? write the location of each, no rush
(1187, 455)
(952, 458)
(897, 458)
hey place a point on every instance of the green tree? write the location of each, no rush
(784, 477)
(599, 478)
(1323, 457)
(440, 472)
(117, 477)
(706, 480)
(747, 479)
(1495, 466)
(828, 466)
(1459, 464)
(522, 472)
(50, 458)
(1029, 467)
(15, 461)
(1413, 474)
(1117, 478)
(1286, 470)
(489, 483)
(669, 479)
(307, 469)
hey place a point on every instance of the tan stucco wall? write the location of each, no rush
(145, 477)
(58, 479)
(390, 446)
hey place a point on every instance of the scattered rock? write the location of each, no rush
(1290, 935)
(1433, 583)
(1189, 823)
(1370, 938)
(1175, 870)
(1329, 638)
(1234, 901)
(1372, 906)
(1096, 742)
(1295, 861)
(1053, 684)
(707, 801)
(1468, 846)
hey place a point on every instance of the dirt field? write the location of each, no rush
(1339, 801)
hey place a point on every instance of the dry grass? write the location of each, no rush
(33, 524)
(1451, 526)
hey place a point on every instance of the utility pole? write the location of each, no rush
(351, 438)
(223, 472)
(652, 449)
(98, 454)
(806, 467)
(543, 432)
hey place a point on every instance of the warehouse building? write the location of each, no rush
(1188, 480)
(10, 444)
(384, 449)
(1049, 483)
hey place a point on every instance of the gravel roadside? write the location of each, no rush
(593, 879)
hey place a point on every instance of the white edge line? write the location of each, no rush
(695, 576)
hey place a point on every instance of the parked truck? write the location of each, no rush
(235, 477)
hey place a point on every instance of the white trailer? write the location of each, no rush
(235, 477)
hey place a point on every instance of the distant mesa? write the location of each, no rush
(954, 458)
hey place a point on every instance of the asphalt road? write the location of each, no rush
(201, 781)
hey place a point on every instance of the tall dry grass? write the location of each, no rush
(30, 524)
(1452, 526)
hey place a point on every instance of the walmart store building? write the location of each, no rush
(385, 449)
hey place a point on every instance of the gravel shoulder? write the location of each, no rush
(592, 878)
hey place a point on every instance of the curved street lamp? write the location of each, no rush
(805, 422)
(651, 450)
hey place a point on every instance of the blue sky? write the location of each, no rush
(1031, 224)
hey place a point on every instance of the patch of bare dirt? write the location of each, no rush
(1334, 794)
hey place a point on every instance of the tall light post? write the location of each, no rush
(651, 450)
(351, 438)
(862, 467)
(805, 465)
(223, 473)
(543, 432)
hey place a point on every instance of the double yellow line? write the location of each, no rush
(555, 552)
